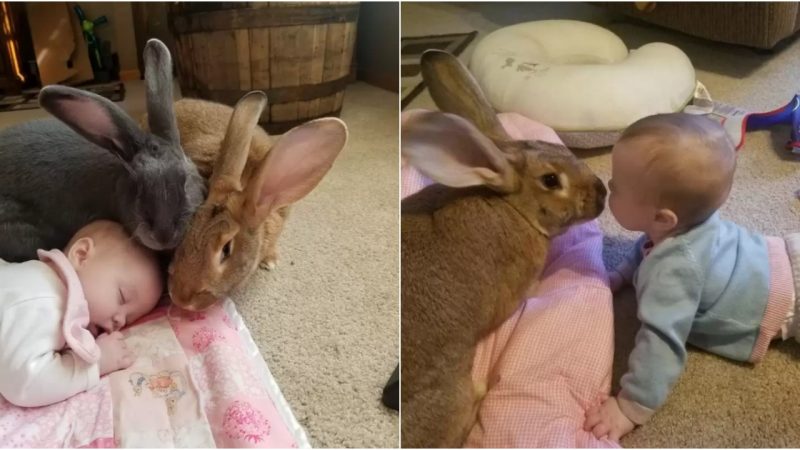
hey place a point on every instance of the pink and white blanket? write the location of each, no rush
(199, 382)
(550, 361)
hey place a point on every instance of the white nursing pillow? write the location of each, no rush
(576, 76)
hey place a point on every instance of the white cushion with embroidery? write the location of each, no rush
(577, 76)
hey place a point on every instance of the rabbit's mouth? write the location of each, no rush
(593, 205)
(201, 302)
(192, 301)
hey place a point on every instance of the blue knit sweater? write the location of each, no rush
(707, 287)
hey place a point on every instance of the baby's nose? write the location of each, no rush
(119, 322)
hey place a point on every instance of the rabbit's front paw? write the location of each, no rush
(269, 256)
(268, 264)
(480, 388)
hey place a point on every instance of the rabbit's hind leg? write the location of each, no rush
(465, 411)
(20, 234)
(442, 416)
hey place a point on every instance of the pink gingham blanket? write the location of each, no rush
(550, 361)
(194, 384)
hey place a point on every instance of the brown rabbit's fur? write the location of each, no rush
(468, 256)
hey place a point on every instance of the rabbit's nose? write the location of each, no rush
(202, 301)
(179, 294)
(601, 195)
(167, 237)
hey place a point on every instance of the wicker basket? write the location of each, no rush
(299, 53)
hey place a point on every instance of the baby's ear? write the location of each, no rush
(666, 220)
(80, 251)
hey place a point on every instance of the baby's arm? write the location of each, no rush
(32, 371)
(668, 301)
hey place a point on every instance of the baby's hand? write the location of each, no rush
(607, 420)
(114, 353)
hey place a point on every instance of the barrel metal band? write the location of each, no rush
(275, 96)
(249, 18)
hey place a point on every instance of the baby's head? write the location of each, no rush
(121, 279)
(670, 172)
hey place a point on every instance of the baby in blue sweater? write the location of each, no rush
(699, 279)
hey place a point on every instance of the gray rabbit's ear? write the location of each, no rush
(94, 117)
(158, 87)
(455, 90)
(451, 151)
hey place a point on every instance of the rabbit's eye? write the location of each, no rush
(226, 250)
(551, 181)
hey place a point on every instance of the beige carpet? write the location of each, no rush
(326, 319)
(716, 403)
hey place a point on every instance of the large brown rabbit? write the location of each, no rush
(472, 244)
(252, 181)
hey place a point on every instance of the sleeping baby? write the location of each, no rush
(52, 309)
(699, 279)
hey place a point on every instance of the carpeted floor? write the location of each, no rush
(326, 319)
(716, 403)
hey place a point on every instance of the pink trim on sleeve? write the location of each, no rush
(781, 292)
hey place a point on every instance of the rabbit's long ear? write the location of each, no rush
(227, 174)
(294, 166)
(94, 117)
(456, 91)
(158, 87)
(451, 151)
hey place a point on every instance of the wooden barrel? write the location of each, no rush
(299, 53)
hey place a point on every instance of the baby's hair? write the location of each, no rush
(108, 234)
(104, 230)
(691, 160)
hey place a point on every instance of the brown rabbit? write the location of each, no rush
(252, 182)
(472, 244)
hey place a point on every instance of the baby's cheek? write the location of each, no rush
(617, 208)
(613, 203)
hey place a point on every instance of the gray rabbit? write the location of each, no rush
(94, 162)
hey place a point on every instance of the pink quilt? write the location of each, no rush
(195, 384)
(549, 362)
